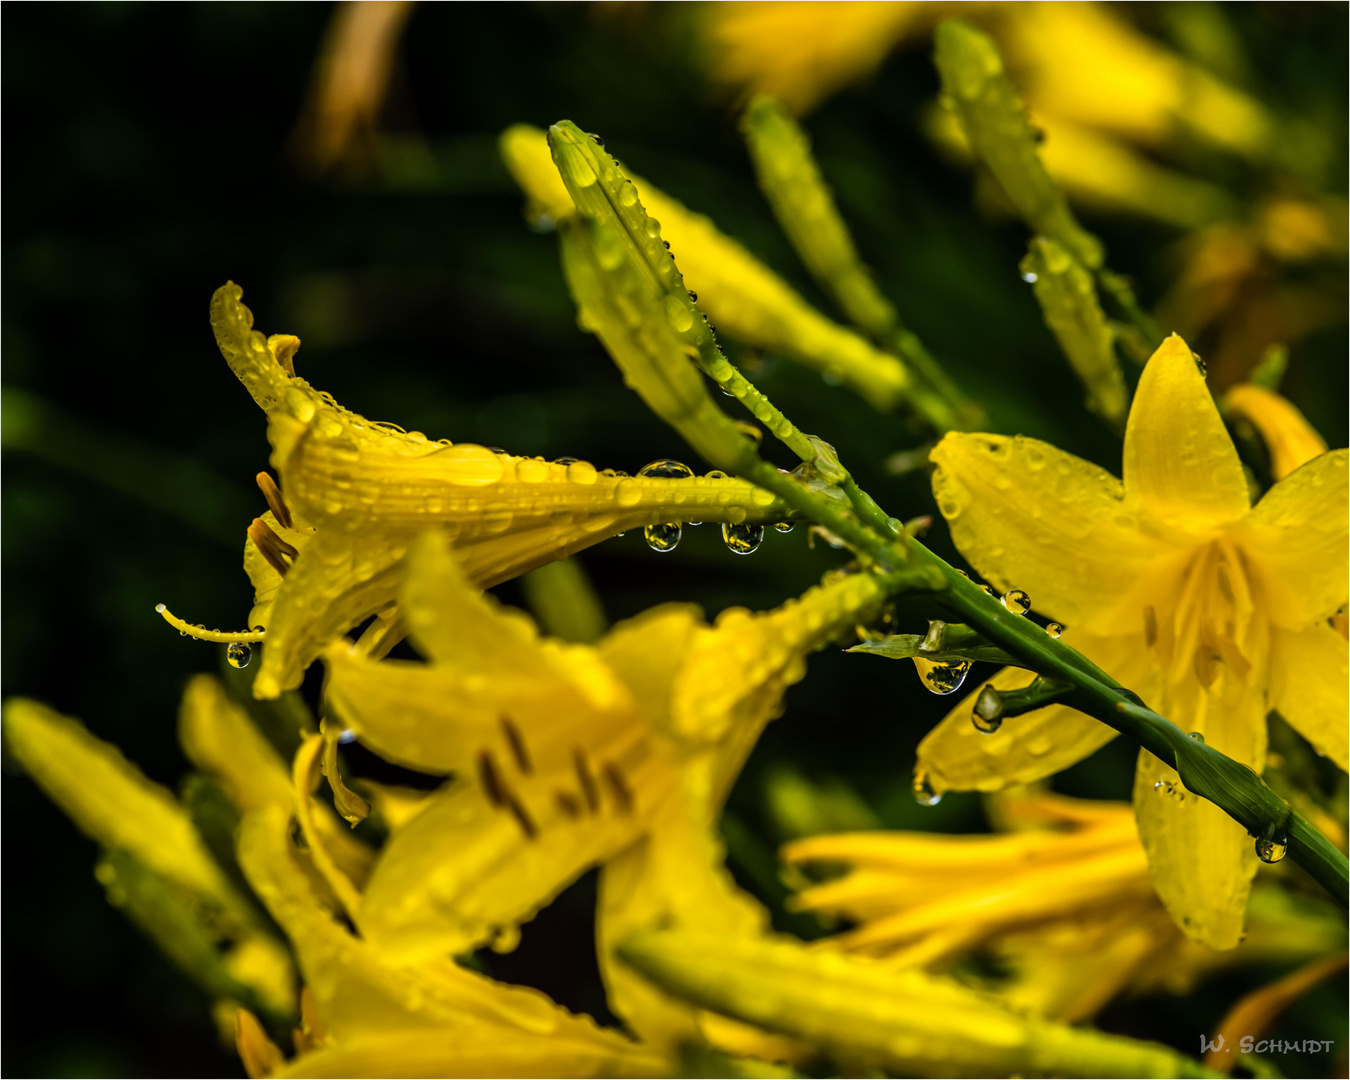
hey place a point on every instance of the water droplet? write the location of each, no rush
(1198, 737)
(1204, 372)
(1166, 787)
(582, 472)
(942, 676)
(346, 735)
(1016, 601)
(924, 792)
(693, 296)
(563, 460)
(1054, 629)
(784, 526)
(238, 655)
(666, 468)
(1029, 277)
(678, 315)
(987, 716)
(742, 539)
(595, 138)
(662, 537)
(1271, 849)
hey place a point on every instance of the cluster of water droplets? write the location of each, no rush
(741, 538)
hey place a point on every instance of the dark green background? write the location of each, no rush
(146, 163)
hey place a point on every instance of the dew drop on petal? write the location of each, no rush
(1016, 601)
(238, 655)
(662, 537)
(1271, 849)
(666, 468)
(942, 676)
(784, 526)
(1198, 737)
(1054, 629)
(924, 792)
(742, 539)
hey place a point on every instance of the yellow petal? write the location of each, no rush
(108, 798)
(1308, 679)
(1180, 465)
(647, 652)
(957, 756)
(356, 991)
(1202, 861)
(1289, 438)
(1295, 542)
(259, 1054)
(580, 1050)
(465, 870)
(221, 741)
(1031, 517)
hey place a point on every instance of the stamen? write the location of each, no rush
(275, 503)
(518, 747)
(1225, 582)
(587, 778)
(490, 779)
(527, 825)
(222, 637)
(1150, 626)
(623, 794)
(567, 803)
(271, 546)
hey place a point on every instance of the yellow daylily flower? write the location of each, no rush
(567, 756)
(1062, 897)
(1212, 609)
(325, 558)
(1289, 438)
(739, 293)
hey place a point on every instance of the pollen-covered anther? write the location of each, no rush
(519, 749)
(272, 547)
(501, 796)
(623, 794)
(568, 803)
(275, 502)
(589, 788)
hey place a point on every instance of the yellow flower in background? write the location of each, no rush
(1213, 610)
(1061, 896)
(1289, 438)
(566, 756)
(325, 557)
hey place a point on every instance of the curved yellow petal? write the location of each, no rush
(1309, 674)
(1295, 541)
(1289, 438)
(1202, 861)
(647, 652)
(957, 756)
(220, 740)
(1180, 465)
(1031, 517)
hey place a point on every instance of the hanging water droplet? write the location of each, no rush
(1204, 373)
(1165, 787)
(924, 792)
(1029, 277)
(693, 295)
(1271, 849)
(1198, 737)
(564, 460)
(662, 537)
(942, 676)
(987, 716)
(742, 539)
(784, 526)
(1016, 601)
(1054, 629)
(346, 735)
(666, 468)
(238, 655)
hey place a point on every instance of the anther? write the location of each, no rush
(567, 803)
(275, 502)
(222, 637)
(1150, 626)
(587, 778)
(489, 778)
(518, 811)
(518, 747)
(272, 547)
(623, 794)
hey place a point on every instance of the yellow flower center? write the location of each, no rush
(1205, 621)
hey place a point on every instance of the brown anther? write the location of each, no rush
(1150, 626)
(490, 779)
(275, 502)
(623, 794)
(518, 811)
(587, 778)
(518, 747)
(568, 803)
(272, 547)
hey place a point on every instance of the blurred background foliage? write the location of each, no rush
(155, 151)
